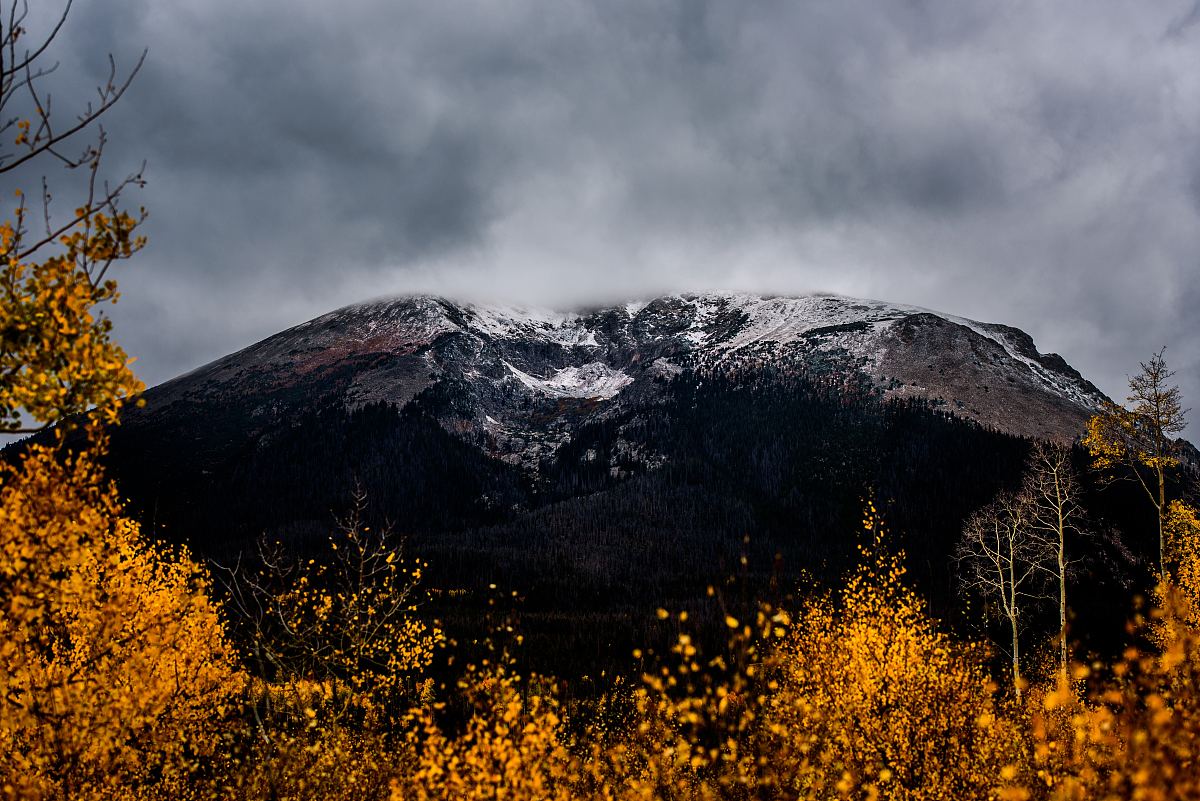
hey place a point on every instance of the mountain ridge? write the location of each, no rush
(509, 362)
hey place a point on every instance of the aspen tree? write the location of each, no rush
(1002, 561)
(1139, 440)
(1055, 513)
(113, 660)
(57, 355)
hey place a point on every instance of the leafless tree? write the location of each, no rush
(1055, 514)
(346, 618)
(1004, 562)
(30, 128)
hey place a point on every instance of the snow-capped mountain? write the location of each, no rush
(607, 461)
(517, 382)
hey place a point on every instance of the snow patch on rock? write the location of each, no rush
(511, 322)
(594, 380)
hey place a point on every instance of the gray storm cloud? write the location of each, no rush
(1033, 163)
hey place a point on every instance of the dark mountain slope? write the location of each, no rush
(606, 462)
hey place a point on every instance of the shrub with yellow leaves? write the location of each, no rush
(113, 660)
(875, 701)
(1183, 554)
(338, 633)
(856, 695)
(1136, 734)
(693, 728)
(310, 762)
(512, 746)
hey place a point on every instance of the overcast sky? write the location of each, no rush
(1032, 163)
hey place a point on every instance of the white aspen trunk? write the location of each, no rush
(1062, 577)
(1012, 619)
(1062, 607)
(1162, 513)
(1016, 655)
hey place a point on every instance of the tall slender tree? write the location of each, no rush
(1055, 514)
(1004, 562)
(1138, 440)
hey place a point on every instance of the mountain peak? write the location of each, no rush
(526, 376)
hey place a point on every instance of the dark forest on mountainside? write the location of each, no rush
(774, 468)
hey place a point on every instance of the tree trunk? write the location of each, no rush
(1162, 512)
(1062, 607)
(1012, 619)
(1062, 578)
(1016, 655)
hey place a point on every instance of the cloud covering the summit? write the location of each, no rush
(1031, 163)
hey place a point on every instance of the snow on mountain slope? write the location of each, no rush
(857, 327)
(519, 381)
(595, 380)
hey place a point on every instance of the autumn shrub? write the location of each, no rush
(336, 635)
(874, 698)
(514, 746)
(1135, 732)
(688, 728)
(114, 662)
(858, 694)
(1183, 548)
(310, 762)
(1132, 729)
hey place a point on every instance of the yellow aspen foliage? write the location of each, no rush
(308, 763)
(1138, 439)
(874, 700)
(1136, 733)
(113, 660)
(1183, 556)
(513, 746)
(57, 356)
(692, 732)
(858, 695)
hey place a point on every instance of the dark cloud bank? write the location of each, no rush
(1034, 163)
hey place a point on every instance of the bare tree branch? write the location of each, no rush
(1003, 563)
